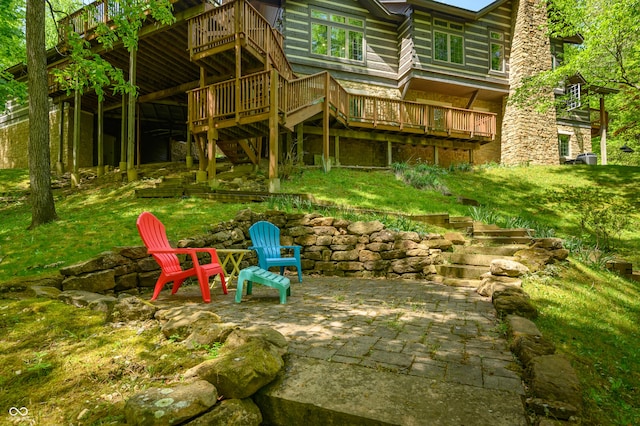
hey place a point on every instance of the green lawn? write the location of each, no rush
(64, 356)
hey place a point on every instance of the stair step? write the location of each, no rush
(475, 259)
(501, 250)
(456, 282)
(512, 232)
(462, 271)
(501, 240)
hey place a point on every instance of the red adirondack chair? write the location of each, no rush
(153, 233)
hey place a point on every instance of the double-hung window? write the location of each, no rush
(573, 96)
(448, 41)
(496, 51)
(337, 35)
(563, 144)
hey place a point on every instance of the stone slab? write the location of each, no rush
(315, 392)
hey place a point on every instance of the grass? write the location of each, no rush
(60, 361)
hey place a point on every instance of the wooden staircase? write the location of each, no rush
(465, 266)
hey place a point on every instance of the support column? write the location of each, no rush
(274, 180)
(603, 132)
(389, 154)
(100, 170)
(189, 157)
(471, 157)
(123, 135)
(61, 144)
(299, 143)
(201, 174)
(436, 160)
(77, 107)
(336, 148)
(132, 173)
(212, 139)
(325, 125)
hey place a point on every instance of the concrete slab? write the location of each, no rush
(317, 392)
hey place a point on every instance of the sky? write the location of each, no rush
(474, 5)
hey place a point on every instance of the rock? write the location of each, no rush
(365, 228)
(339, 256)
(170, 405)
(526, 348)
(508, 268)
(180, 322)
(131, 309)
(46, 292)
(86, 299)
(106, 260)
(492, 283)
(438, 243)
(239, 372)
(383, 236)
(409, 264)
(534, 258)
(456, 238)
(135, 253)
(217, 332)
(511, 303)
(245, 215)
(23, 283)
(560, 254)
(231, 412)
(554, 385)
(519, 326)
(126, 282)
(547, 243)
(241, 336)
(555, 409)
(95, 282)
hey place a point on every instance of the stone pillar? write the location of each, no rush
(529, 136)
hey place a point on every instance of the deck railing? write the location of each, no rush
(354, 110)
(88, 18)
(221, 25)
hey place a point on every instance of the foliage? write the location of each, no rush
(86, 69)
(603, 216)
(423, 176)
(12, 49)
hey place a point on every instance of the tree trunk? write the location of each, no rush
(43, 208)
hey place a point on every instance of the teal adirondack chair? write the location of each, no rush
(265, 237)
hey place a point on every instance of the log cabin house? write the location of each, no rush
(327, 82)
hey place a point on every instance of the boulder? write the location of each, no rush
(131, 308)
(239, 372)
(230, 412)
(86, 299)
(106, 260)
(170, 405)
(547, 243)
(180, 322)
(528, 347)
(365, 228)
(241, 336)
(95, 282)
(508, 268)
(534, 258)
(43, 291)
(513, 303)
(554, 386)
(137, 252)
(492, 283)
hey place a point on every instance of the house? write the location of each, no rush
(331, 82)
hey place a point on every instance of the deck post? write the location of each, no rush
(77, 108)
(212, 138)
(603, 132)
(436, 160)
(325, 124)
(100, 170)
(123, 134)
(336, 143)
(132, 173)
(389, 154)
(299, 143)
(274, 180)
(189, 156)
(61, 144)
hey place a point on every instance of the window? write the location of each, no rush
(337, 36)
(496, 51)
(573, 96)
(563, 144)
(448, 41)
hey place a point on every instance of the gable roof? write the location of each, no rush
(445, 8)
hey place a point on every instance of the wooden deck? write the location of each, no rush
(301, 99)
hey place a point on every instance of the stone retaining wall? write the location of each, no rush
(330, 247)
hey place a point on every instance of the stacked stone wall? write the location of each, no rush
(330, 247)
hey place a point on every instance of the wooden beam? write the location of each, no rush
(100, 132)
(274, 181)
(603, 133)
(325, 122)
(472, 99)
(131, 121)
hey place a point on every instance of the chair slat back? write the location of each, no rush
(266, 235)
(154, 236)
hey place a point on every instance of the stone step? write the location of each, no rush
(473, 258)
(318, 392)
(496, 250)
(461, 271)
(493, 240)
(456, 282)
(512, 232)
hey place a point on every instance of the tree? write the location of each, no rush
(43, 208)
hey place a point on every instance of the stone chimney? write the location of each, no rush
(529, 136)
